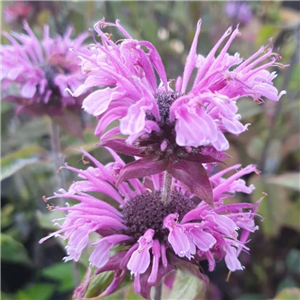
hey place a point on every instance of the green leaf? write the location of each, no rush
(266, 32)
(77, 19)
(149, 29)
(15, 161)
(5, 107)
(288, 294)
(290, 180)
(276, 209)
(293, 261)
(12, 251)
(286, 283)
(34, 130)
(63, 273)
(294, 82)
(45, 220)
(41, 291)
(6, 215)
(5, 296)
(248, 108)
(43, 17)
(187, 286)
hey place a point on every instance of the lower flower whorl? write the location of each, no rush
(148, 211)
(156, 237)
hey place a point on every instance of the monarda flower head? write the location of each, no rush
(173, 129)
(17, 13)
(41, 72)
(158, 234)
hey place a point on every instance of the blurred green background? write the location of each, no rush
(36, 272)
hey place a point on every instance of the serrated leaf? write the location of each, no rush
(15, 161)
(12, 251)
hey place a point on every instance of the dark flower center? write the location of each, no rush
(51, 71)
(148, 211)
(164, 102)
(153, 140)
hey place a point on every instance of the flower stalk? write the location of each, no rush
(60, 181)
(158, 292)
(167, 187)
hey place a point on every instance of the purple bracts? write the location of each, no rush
(156, 237)
(41, 71)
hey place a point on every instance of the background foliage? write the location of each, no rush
(31, 271)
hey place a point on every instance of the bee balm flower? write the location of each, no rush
(172, 129)
(156, 236)
(41, 72)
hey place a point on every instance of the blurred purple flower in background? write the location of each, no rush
(17, 12)
(156, 236)
(238, 10)
(41, 71)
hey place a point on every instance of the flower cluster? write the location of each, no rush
(125, 73)
(156, 236)
(172, 129)
(42, 71)
(170, 210)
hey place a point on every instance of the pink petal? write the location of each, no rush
(28, 90)
(203, 240)
(140, 258)
(134, 121)
(231, 259)
(97, 102)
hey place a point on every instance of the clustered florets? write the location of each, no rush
(170, 212)
(42, 71)
(155, 234)
(148, 211)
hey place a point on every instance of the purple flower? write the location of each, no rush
(17, 13)
(41, 72)
(172, 129)
(239, 10)
(156, 237)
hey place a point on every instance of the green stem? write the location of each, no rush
(60, 182)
